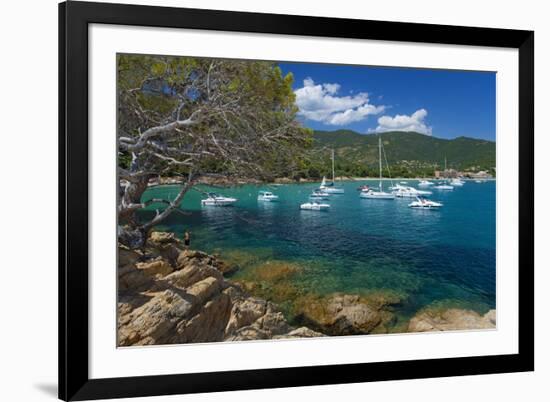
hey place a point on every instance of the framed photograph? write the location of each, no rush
(258, 201)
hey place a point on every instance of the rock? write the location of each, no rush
(452, 319)
(225, 268)
(355, 319)
(157, 267)
(182, 297)
(302, 332)
(205, 289)
(273, 323)
(491, 316)
(127, 257)
(191, 274)
(186, 256)
(208, 324)
(248, 333)
(341, 315)
(162, 237)
(131, 278)
(155, 321)
(244, 313)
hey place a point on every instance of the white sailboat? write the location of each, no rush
(331, 189)
(380, 194)
(442, 185)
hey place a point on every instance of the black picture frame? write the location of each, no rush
(74, 18)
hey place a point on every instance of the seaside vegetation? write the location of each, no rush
(408, 154)
(198, 117)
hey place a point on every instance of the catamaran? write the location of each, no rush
(380, 194)
(267, 196)
(330, 188)
(423, 203)
(315, 206)
(218, 200)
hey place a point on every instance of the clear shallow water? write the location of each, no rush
(444, 257)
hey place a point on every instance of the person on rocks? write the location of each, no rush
(186, 239)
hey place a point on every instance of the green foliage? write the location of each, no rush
(409, 154)
(244, 116)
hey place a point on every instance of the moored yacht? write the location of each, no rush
(267, 196)
(331, 188)
(315, 206)
(423, 203)
(409, 192)
(380, 194)
(218, 200)
(425, 183)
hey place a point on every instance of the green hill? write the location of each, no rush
(408, 153)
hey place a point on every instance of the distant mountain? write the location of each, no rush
(407, 152)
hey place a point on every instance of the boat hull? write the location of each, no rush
(373, 195)
(308, 206)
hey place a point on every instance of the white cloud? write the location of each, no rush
(320, 102)
(400, 122)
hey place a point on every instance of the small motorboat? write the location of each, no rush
(319, 194)
(443, 187)
(218, 200)
(423, 203)
(363, 188)
(267, 196)
(409, 192)
(425, 183)
(315, 206)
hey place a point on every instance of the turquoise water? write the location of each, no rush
(429, 257)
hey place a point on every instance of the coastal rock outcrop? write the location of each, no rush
(183, 297)
(342, 314)
(451, 319)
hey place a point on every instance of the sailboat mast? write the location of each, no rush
(333, 165)
(380, 161)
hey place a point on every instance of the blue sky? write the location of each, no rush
(442, 103)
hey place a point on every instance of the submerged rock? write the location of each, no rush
(451, 319)
(341, 314)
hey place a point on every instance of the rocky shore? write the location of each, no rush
(452, 320)
(168, 295)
